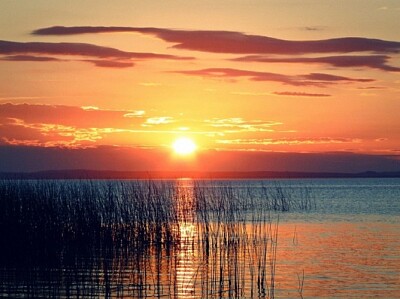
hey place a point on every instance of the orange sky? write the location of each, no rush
(295, 77)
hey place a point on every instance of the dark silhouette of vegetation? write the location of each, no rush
(90, 239)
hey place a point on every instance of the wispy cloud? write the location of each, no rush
(78, 49)
(237, 42)
(160, 120)
(29, 58)
(300, 94)
(238, 124)
(345, 61)
(135, 113)
(371, 87)
(71, 126)
(19, 132)
(78, 117)
(313, 28)
(288, 141)
(110, 63)
(320, 77)
(96, 62)
(312, 79)
(105, 56)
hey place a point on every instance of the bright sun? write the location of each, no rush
(184, 146)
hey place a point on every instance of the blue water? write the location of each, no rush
(335, 199)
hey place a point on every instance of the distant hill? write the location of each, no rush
(105, 174)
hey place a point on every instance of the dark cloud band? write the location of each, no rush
(370, 61)
(33, 51)
(237, 42)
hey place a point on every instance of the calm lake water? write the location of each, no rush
(330, 238)
(348, 247)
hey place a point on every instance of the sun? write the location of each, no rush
(184, 146)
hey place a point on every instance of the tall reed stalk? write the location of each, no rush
(124, 239)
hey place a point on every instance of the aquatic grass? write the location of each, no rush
(91, 239)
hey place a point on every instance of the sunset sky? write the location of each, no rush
(256, 85)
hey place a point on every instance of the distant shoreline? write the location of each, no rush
(105, 174)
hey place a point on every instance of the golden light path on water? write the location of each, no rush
(337, 259)
(186, 261)
(221, 255)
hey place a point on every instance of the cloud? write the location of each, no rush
(78, 49)
(237, 42)
(18, 132)
(312, 79)
(57, 125)
(110, 63)
(105, 56)
(369, 61)
(158, 120)
(289, 141)
(71, 126)
(71, 116)
(51, 125)
(313, 28)
(300, 94)
(98, 62)
(372, 87)
(61, 30)
(29, 58)
(236, 73)
(137, 113)
(332, 78)
(238, 124)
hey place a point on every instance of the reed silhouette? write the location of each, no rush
(140, 239)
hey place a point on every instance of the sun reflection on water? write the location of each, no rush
(186, 259)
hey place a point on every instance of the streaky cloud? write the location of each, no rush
(98, 62)
(59, 125)
(76, 49)
(332, 78)
(300, 94)
(110, 63)
(29, 58)
(345, 61)
(312, 79)
(313, 28)
(238, 42)
(73, 30)
(371, 87)
(238, 124)
(72, 116)
(289, 141)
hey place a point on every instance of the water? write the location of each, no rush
(336, 238)
(339, 198)
(348, 246)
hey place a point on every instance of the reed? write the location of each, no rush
(90, 239)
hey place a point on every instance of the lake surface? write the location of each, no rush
(299, 238)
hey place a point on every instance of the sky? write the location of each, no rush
(256, 85)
